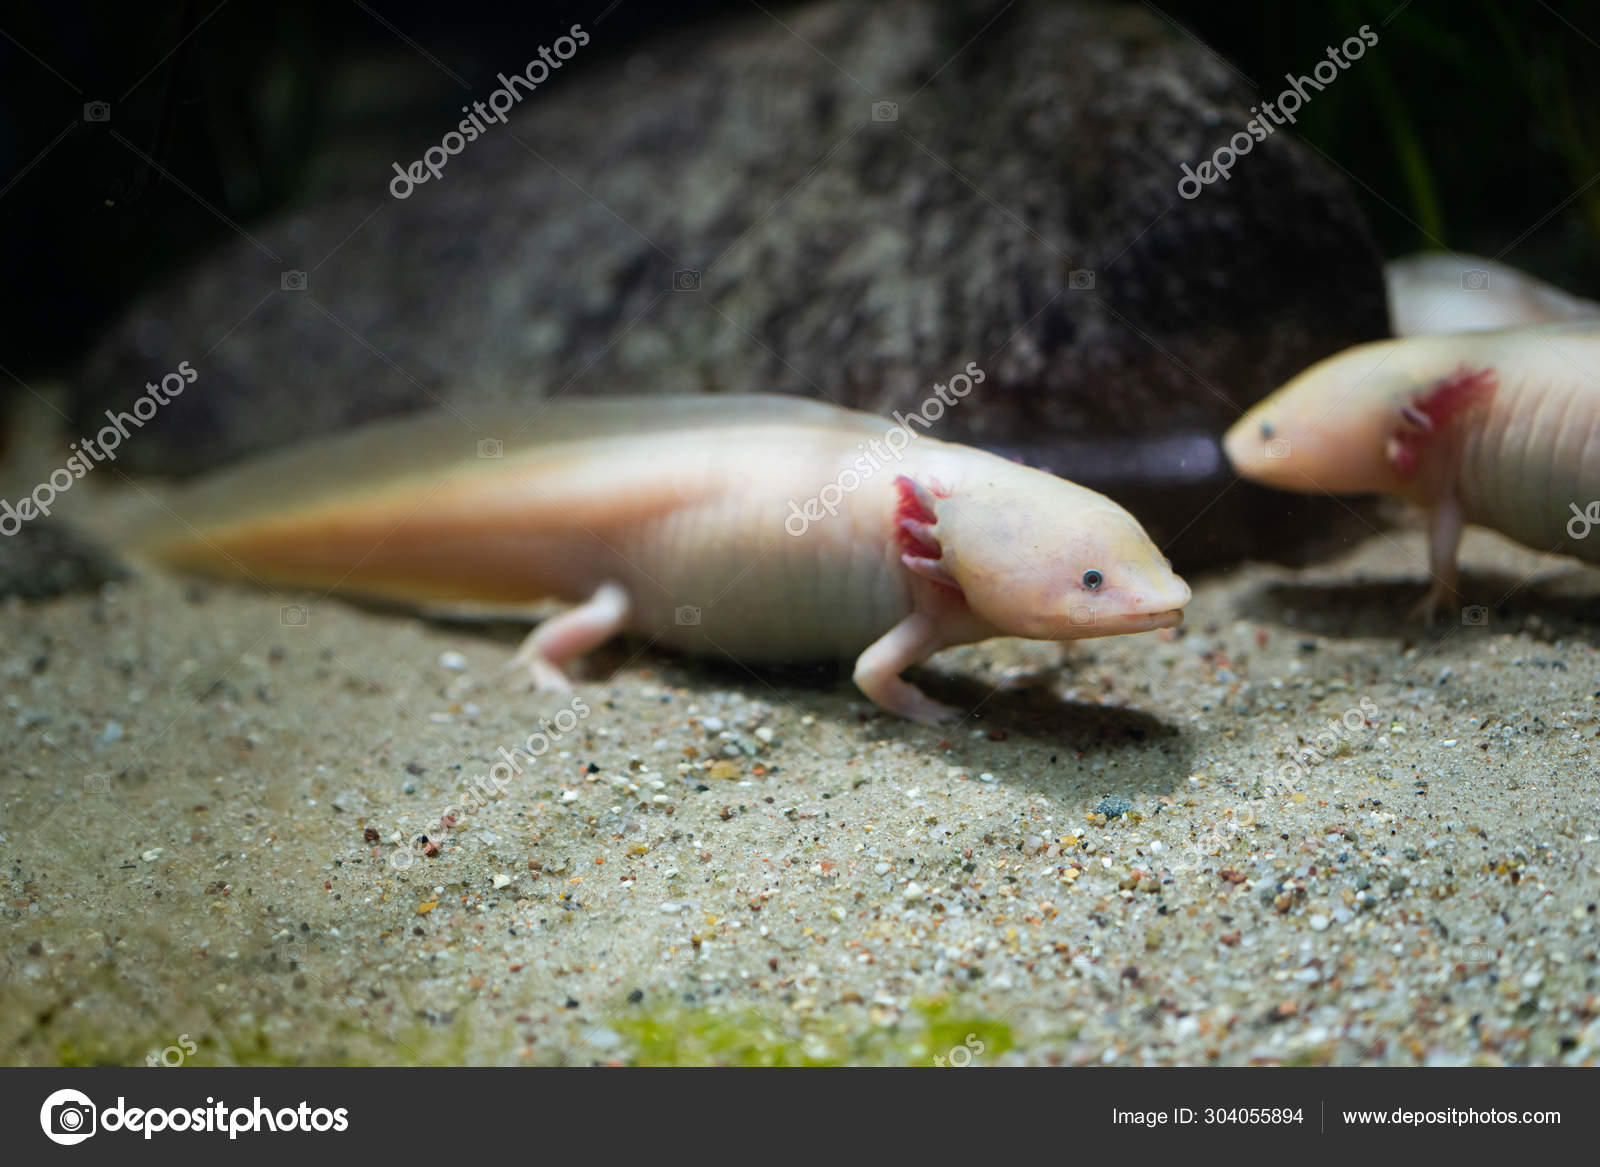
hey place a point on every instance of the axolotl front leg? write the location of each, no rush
(1444, 547)
(878, 669)
(939, 618)
(1425, 450)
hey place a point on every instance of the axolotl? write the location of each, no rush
(1500, 429)
(1448, 291)
(763, 528)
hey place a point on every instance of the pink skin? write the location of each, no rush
(989, 556)
(991, 560)
(1434, 292)
(1396, 417)
(680, 519)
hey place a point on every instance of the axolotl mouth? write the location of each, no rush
(1153, 620)
(1159, 603)
(1122, 625)
(1090, 623)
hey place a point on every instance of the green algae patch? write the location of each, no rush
(931, 1033)
(949, 1030)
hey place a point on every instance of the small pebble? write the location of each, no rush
(453, 661)
(1318, 922)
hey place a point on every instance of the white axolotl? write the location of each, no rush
(763, 528)
(1501, 429)
(1446, 291)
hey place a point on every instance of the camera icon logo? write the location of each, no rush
(1474, 279)
(97, 784)
(68, 1117)
(293, 280)
(1081, 280)
(681, 955)
(1474, 615)
(97, 111)
(1479, 954)
(491, 448)
(293, 615)
(686, 280)
(1082, 614)
(886, 111)
(1192, 857)
(686, 615)
(1277, 449)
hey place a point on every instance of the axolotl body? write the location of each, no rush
(1499, 429)
(763, 528)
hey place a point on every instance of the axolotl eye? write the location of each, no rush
(1092, 579)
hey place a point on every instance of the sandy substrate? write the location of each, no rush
(717, 866)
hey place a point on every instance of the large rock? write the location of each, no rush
(1019, 209)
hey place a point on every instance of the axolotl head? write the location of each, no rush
(1037, 556)
(1362, 421)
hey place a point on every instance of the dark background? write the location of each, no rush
(1478, 125)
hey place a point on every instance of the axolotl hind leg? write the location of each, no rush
(562, 639)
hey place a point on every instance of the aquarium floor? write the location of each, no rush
(1113, 860)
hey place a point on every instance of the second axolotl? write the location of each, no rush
(761, 528)
(1501, 429)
